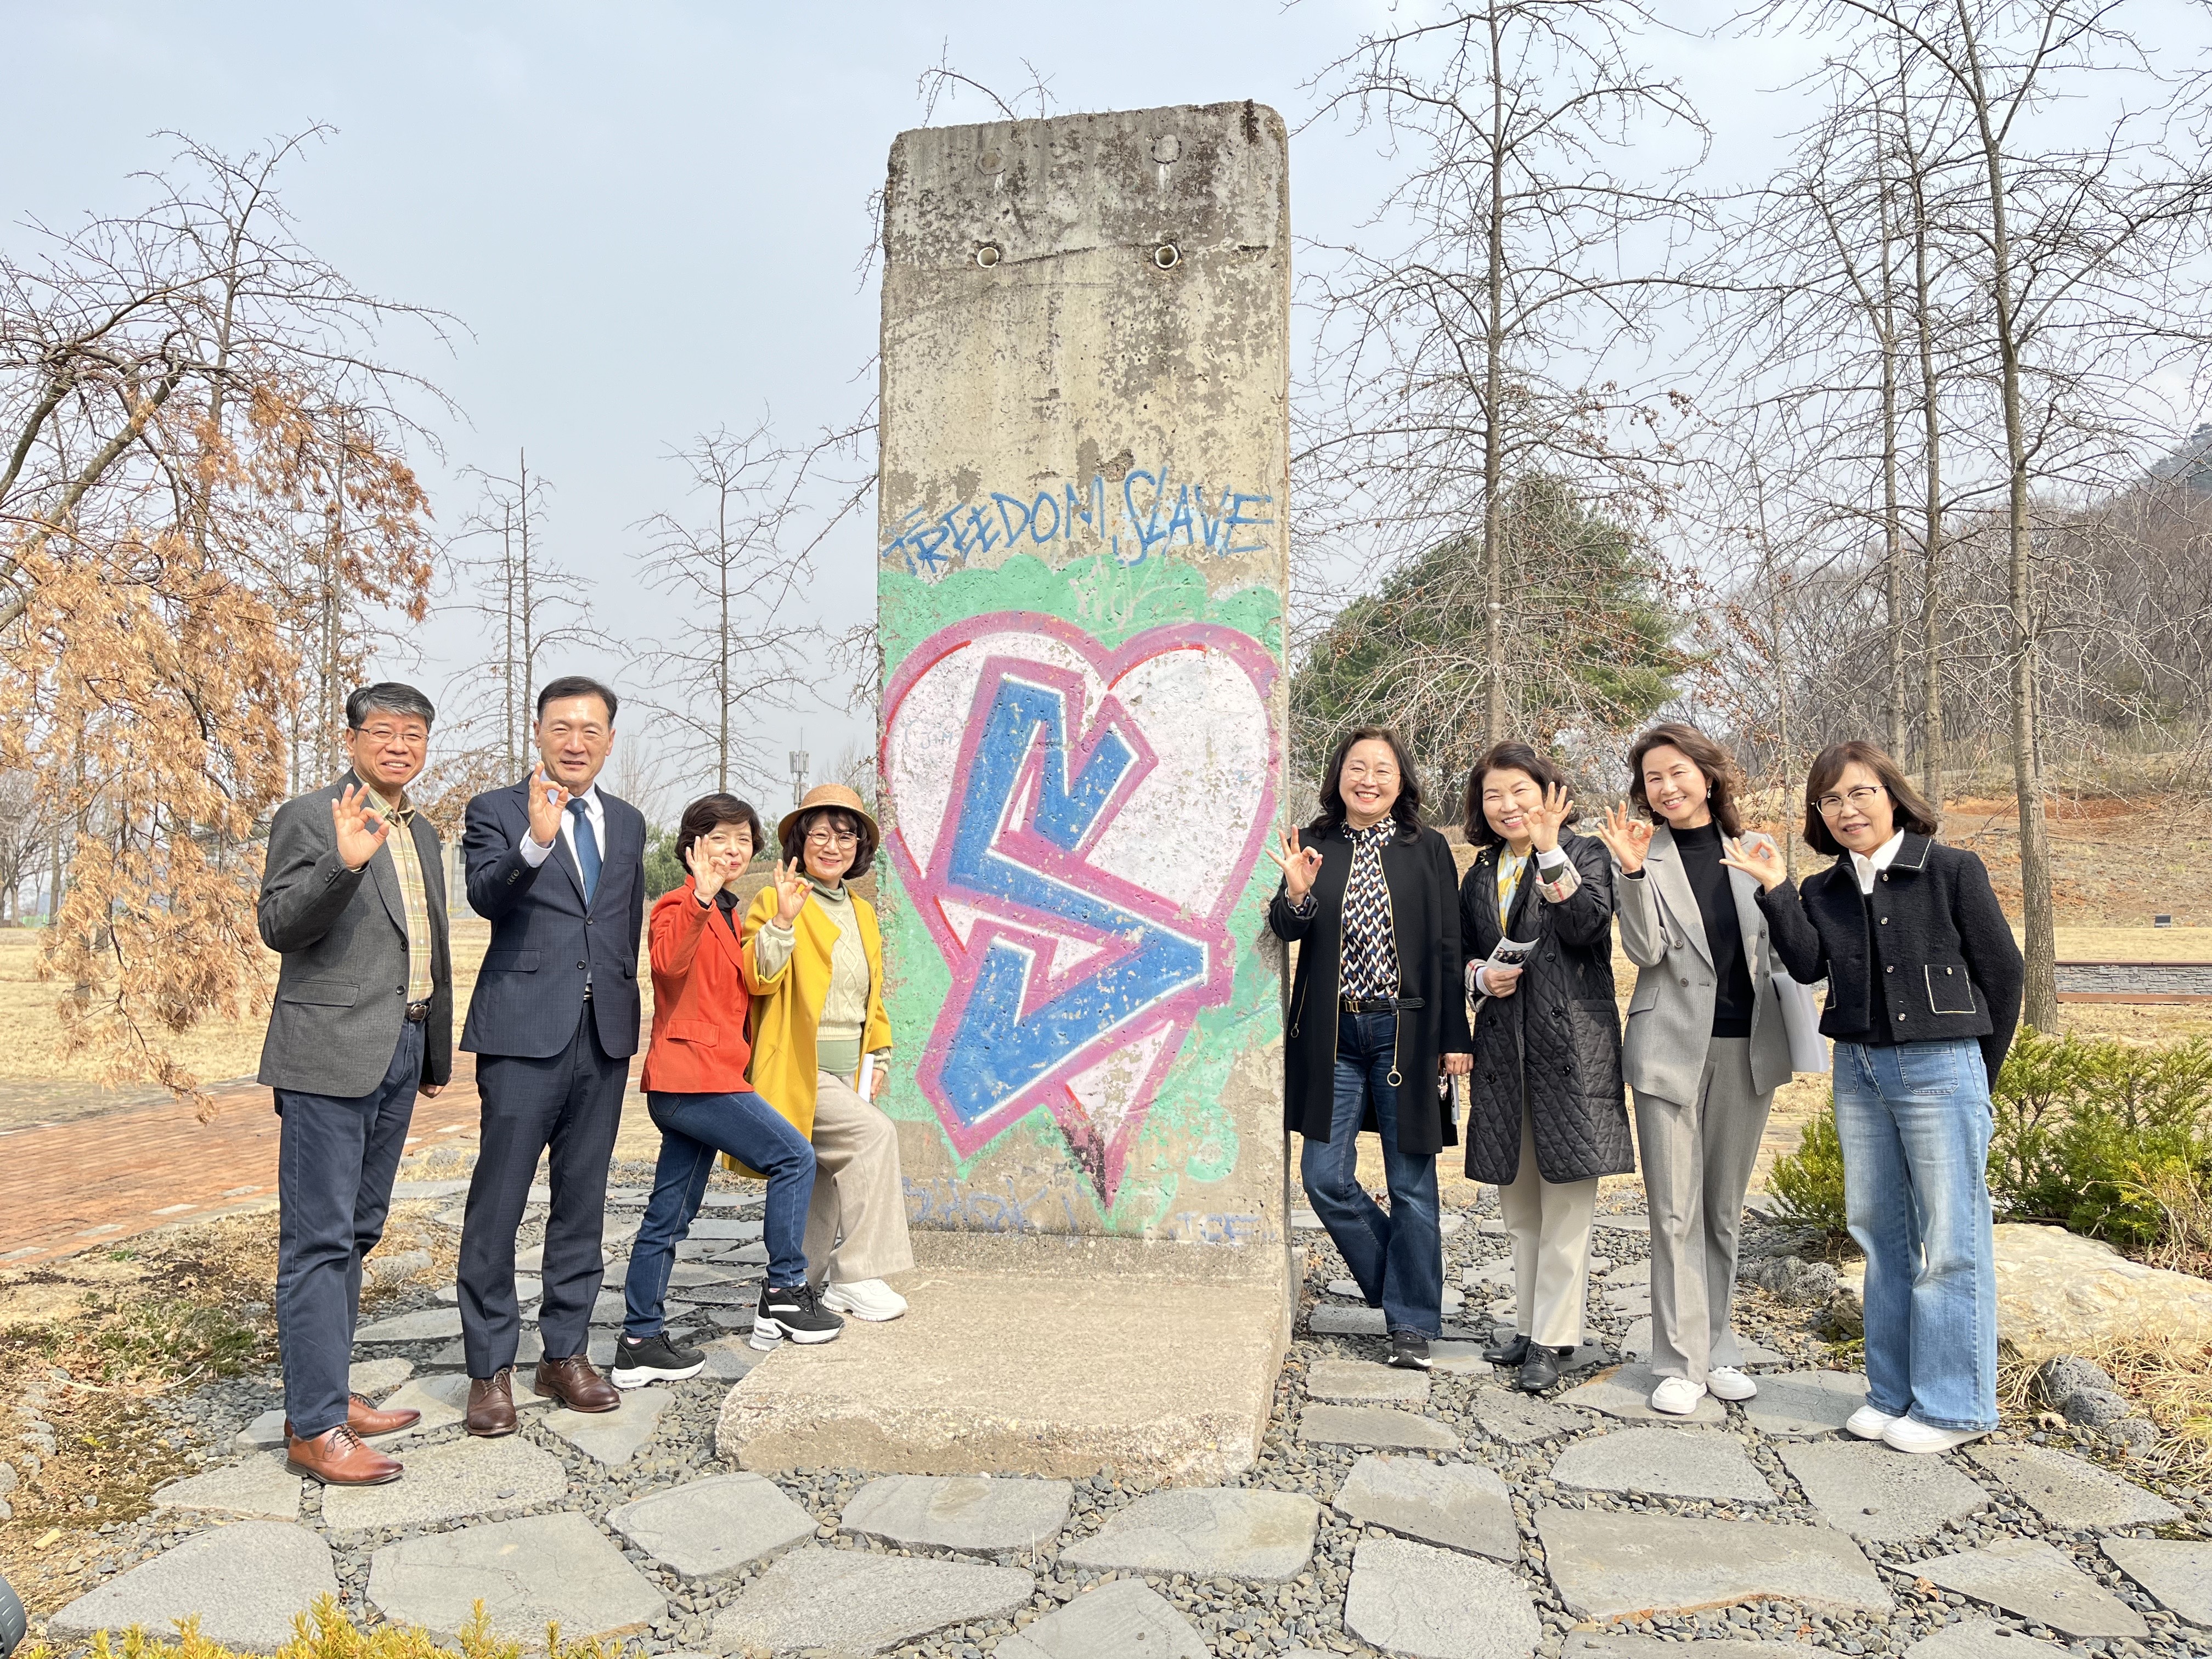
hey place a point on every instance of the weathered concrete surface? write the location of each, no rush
(1173, 1378)
(450, 1482)
(1364, 1380)
(1228, 1532)
(1124, 1619)
(2027, 1577)
(245, 1581)
(2178, 1572)
(975, 1513)
(860, 1601)
(1672, 1462)
(1374, 1426)
(1865, 1489)
(706, 1527)
(260, 1485)
(1461, 1506)
(542, 1568)
(2071, 1492)
(1434, 1604)
(1605, 1565)
(1084, 555)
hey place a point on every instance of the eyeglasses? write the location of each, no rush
(1862, 797)
(413, 737)
(832, 838)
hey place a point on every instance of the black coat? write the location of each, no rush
(1560, 1028)
(1950, 967)
(1418, 870)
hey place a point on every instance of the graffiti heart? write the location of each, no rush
(1075, 824)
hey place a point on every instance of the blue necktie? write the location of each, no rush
(587, 850)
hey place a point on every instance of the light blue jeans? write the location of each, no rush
(1914, 1120)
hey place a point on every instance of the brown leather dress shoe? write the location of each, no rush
(491, 1405)
(341, 1458)
(366, 1421)
(576, 1384)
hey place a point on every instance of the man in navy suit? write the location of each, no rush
(557, 866)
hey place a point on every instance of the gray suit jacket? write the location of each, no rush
(1670, 1017)
(342, 993)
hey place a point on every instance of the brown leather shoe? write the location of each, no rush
(341, 1458)
(366, 1421)
(491, 1405)
(576, 1384)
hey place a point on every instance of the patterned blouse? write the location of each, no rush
(1370, 939)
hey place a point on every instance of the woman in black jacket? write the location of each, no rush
(1546, 1112)
(1923, 994)
(1376, 1015)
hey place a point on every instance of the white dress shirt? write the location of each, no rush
(534, 854)
(1884, 855)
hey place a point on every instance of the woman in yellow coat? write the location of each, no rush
(821, 1042)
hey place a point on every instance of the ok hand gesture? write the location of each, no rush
(790, 892)
(709, 870)
(361, 828)
(1628, 839)
(1299, 864)
(1545, 821)
(548, 803)
(1758, 857)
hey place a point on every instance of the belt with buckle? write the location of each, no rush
(1377, 1004)
(418, 1011)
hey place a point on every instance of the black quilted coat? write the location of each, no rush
(1561, 1028)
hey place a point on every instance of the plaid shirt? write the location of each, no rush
(414, 897)
(1370, 941)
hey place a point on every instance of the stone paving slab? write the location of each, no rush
(1865, 1489)
(1976, 1638)
(729, 1358)
(1208, 1532)
(452, 1482)
(862, 1601)
(1606, 1565)
(1805, 1402)
(1625, 1392)
(1438, 1604)
(2070, 1491)
(691, 1275)
(1521, 1420)
(613, 1438)
(1637, 1272)
(1669, 1461)
(2028, 1578)
(1374, 1426)
(1330, 1321)
(376, 1377)
(261, 1486)
(1458, 1358)
(245, 1581)
(1349, 1288)
(981, 1514)
(1637, 1345)
(2178, 1573)
(425, 1325)
(1589, 1644)
(1460, 1506)
(1305, 1221)
(443, 1400)
(728, 1229)
(1124, 1619)
(707, 1527)
(1364, 1380)
(1628, 1222)
(1493, 1273)
(527, 1572)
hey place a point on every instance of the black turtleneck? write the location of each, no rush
(1734, 1001)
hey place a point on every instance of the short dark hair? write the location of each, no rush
(1510, 756)
(576, 685)
(1406, 809)
(1912, 812)
(1715, 762)
(392, 697)
(795, 839)
(711, 812)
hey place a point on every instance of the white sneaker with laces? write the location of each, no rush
(1726, 1383)
(1677, 1396)
(1905, 1435)
(865, 1299)
(1867, 1424)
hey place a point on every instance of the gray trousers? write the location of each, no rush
(856, 1220)
(1697, 1160)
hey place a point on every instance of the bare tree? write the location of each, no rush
(23, 833)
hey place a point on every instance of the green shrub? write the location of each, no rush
(327, 1633)
(1809, 1181)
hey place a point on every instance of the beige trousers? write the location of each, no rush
(1549, 1223)
(856, 1222)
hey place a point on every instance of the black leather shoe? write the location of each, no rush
(1541, 1368)
(1509, 1352)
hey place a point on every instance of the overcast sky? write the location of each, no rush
(647, 217)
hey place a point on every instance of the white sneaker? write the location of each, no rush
(1905, 1435)
(865, 1298)
(1677, 1396)
(1867, 1424)
(1726, 1383)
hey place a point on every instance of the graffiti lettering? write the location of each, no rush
(1152, 510)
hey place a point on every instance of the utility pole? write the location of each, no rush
(800, 760)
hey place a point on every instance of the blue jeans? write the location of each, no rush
(1397, 1260)
(336, 1158)
(1914, 1120)
(693, 1130)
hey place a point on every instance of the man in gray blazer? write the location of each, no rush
(364, 1021)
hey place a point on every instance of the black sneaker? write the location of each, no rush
(795, 1311)
(1409, 1350)
(658, 1358)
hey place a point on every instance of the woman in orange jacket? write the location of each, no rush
(698, 1093)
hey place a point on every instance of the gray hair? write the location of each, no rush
(390, 697)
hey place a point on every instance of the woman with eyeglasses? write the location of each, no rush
(1707, 1046)
(1925, 984)
(822, 1051)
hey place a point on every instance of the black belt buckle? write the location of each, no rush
(1377, 1004)
(418, 1011)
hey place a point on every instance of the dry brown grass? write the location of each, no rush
(2170, 1381)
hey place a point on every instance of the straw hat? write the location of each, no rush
(834, 795)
